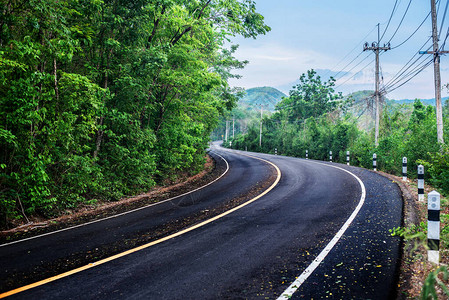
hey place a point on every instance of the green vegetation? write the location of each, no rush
(247, 113)
(432, 280)
(317, 119)
(101, 99)
(267, 96)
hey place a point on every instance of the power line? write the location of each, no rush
(406, 66)
(389, 20)
(406, 40)
(400, 23)
(442, 21)
(422, 68)
(350, 52)
(348, 65)
(356, 72)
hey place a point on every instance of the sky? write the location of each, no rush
(326, 35)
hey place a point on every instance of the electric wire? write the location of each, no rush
(414, 32)
(406, 66)
(342, 70)
(442, 21)
(400, 23)
(356, 72)
(349, 53)
(389, 20)
(406, 75)
(414, 75)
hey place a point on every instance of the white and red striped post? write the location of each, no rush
(330, 156)
(433, 227)
(347, 158)
(404, 169)
(421, 183)
(375, 162)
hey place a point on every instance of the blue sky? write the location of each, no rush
(327, 35)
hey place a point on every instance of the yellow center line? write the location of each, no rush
(100, 262)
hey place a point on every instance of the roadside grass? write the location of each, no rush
(419, 278)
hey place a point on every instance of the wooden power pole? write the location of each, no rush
(260, 134)
(436, 69)
(376, 48)
(226, 131)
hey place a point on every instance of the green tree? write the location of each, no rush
(311, 98)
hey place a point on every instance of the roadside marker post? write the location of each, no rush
(375, 162)
(307, 154)
(433, 227)
(404, 169)
(275, 151)
(347, 158)
(330, 156)
(421, 183)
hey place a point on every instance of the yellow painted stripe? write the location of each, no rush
(100, 262)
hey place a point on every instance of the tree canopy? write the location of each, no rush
(103, 98)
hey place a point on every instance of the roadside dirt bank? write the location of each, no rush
(415, 267)
(86, 213)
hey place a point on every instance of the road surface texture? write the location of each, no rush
(256, 251)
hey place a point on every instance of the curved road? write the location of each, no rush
(256, 251)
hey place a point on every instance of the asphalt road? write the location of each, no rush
(254, 252)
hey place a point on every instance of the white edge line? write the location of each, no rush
(123, 213)
(288, 293)
(122, 254)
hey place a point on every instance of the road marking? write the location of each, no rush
(288, 293)
(123, 213)
(100, 262)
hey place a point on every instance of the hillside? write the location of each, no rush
(267, 96)
(424, 101)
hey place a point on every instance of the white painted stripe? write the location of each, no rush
(287, 294)
(420, 183)
(434, 256)
(433, 230)
(124, 213)
(184, 231)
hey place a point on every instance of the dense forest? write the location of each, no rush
(105, 98)
(317, 119)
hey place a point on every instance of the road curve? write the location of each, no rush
(29, 260)
(259, 250)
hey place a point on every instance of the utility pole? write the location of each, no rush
(226, 132)
(260, 135)
(376, 48)
(233, 127)
(436, 70)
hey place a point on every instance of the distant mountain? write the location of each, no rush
(267, 96)
(424, 101)
(360, 95)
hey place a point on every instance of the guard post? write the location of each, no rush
(404, 169)
(433, 227)
(421, 183)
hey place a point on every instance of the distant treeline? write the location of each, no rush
(317, 119)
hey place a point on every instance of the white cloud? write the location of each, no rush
(279, 66)
(272, 65)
